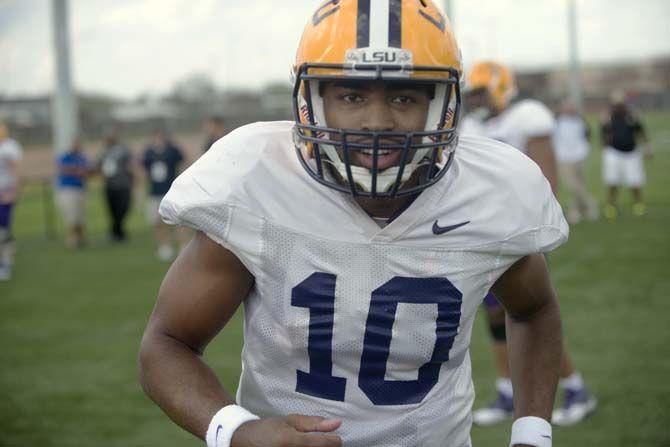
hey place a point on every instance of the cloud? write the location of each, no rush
(25, 60)
(127, 47)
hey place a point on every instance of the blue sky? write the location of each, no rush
(126, 47)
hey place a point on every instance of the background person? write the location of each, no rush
(527, 125)
(571, 142)
(115, 165)
(10, 160)
(73, 169)
(624, 143)
(161, 161)
(215, 128)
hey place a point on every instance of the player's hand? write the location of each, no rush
(288, 431)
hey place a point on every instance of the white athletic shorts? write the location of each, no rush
(72, 204)
(151, 209)
(623, 168)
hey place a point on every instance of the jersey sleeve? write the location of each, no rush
(209, 197)
(543, 227)
(471, 124)
(536, 119)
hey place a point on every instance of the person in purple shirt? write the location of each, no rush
(73, 168)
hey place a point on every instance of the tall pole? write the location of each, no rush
(449, 10)
(64, 103)
(575, 69)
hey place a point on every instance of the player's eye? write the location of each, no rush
(351, 98)
(402, 100)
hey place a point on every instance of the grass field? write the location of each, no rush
(70, 325)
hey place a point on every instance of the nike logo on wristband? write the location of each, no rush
(216, 438)
(546, 436)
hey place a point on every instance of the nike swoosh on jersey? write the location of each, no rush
(437, 229)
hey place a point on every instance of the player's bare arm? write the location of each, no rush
(188, 315)
(541, 151)
(534, 334)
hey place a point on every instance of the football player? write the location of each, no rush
(528, 126)
(360, 240)
(10, 161)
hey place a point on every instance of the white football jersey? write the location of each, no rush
(472, 124)
(520, 122)
(10, 151)
(350, 320)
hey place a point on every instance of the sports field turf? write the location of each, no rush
(70, 325)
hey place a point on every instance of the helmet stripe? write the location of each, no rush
(379, 23)
(363, 24)
(395, 24)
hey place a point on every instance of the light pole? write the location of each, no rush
(64, 103)
(575, 69)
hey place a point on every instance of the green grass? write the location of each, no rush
(70, 325)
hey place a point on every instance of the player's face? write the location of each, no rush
(212, 127)
(479, 98)
(159, 139)
(376, 106)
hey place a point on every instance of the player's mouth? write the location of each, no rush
(386, 158)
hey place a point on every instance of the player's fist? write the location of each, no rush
(288, 431)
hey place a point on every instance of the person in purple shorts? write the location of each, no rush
(10, 157)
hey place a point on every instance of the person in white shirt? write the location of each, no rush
(10, 159)
(571, 141)
(361, 239)
(528, 126)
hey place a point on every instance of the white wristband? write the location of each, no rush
(531, 430)
(224, 423)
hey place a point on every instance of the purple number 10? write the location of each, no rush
(317, 293)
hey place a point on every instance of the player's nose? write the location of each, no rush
(378, 116)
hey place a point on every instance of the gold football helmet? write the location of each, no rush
(377, 40)
(496, 78)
